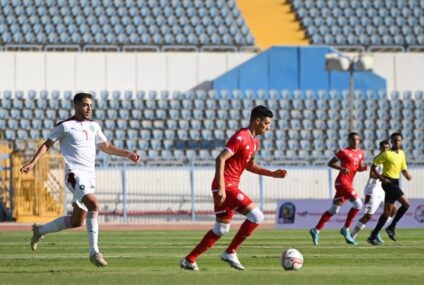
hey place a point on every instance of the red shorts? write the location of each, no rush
(235, 200)
(345, 192)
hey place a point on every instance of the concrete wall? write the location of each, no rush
(160, 71)
(112, 71)
(403, 71)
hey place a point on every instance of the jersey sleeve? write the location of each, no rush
(57, 133)
(235, 143)
(380, 159)
(339, 154)
(100, 137)
(403, 165)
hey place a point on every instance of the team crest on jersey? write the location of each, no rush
(82, 187)
(360, 155)
(92, 128)
(240, 197)
(247, 147)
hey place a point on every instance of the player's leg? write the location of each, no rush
(399, 214)
(353, 197)
(338, 202)
(254, 217)
(59, 224)
(220, 228)
(63, 222)
(224, 215)
(369, 210)
(92, 224)
(388, 208)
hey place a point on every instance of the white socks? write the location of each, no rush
(57, 225)
(93, 231)
(357, 228)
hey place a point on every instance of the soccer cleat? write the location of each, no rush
(315, 236)
(345, 232)
(391, 233)
(373, 241)
(98, 260)
(379, 239)
(36, 236)
(184, 264)
(232, 260)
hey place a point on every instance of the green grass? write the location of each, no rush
(152, 257)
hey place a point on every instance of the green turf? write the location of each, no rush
(152, 257)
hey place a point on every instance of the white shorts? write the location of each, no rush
(374, 197)
(80, 183)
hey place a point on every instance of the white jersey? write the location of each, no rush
(374, 194)
(374, 184)
(78, 140)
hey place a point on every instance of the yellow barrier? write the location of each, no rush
(39, 194)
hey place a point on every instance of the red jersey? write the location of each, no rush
(350, 159)
(243, 146)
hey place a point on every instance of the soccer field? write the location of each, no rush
(152, 257)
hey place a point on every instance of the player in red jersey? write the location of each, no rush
(237, 156)
(351, 161)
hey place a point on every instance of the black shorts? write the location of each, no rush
(392, 190)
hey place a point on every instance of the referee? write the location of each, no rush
(394, 163)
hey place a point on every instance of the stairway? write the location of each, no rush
(271, 22)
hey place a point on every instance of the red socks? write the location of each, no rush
(207, 242)
(243, 233)
(350, 216)
(211, 238)
(324, 219)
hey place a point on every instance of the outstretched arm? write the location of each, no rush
(40, 152)
(109, 148)
(257, 169)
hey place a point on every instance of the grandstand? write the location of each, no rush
(173, 79)
(173, 127)
(371, 25)
(127, 25)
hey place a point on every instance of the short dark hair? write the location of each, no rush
(395, 135)
(81, 96)
(383, 142)
(260, 112)
(352, 134)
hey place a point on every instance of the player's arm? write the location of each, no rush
(333, 164)
(219, 174)
(109, 148)
(379, 160)
(377, 175)
(406, 174)
(404, 169)
(40, 152)
(372, 172)
(363, 167)
(253, 167)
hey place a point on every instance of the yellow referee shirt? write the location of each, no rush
(393, 163)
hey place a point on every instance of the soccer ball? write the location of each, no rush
(292, 259)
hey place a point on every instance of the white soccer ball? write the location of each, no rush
(292, 259)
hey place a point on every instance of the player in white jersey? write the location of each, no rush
(374, 198)
(78, 137)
